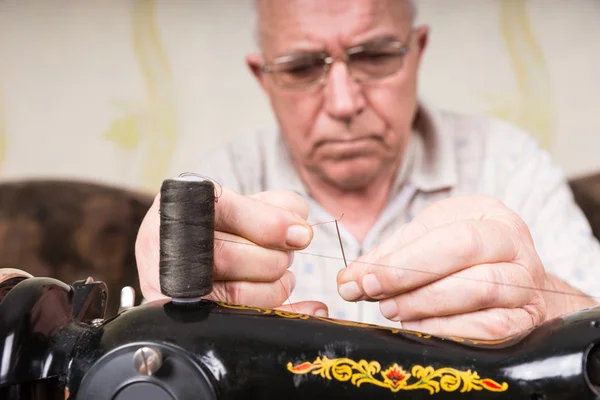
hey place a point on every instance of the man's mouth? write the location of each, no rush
(349, 148)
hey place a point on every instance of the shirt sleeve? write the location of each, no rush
(538, 191)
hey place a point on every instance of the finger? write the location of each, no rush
(447, 211)
(9, 273)
(147, 242)
(441, 252)
(255, 294)
(239, 259)
(491, 324)
(147, 253)
(261, 223)
(285, 200)
(315, 308)
(477, 288)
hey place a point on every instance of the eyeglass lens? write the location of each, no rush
(363, 64)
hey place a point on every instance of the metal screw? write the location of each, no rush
(147, 360)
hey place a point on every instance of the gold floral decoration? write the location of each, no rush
(395, 378)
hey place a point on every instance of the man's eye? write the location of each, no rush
(301, 69)
(374, 57)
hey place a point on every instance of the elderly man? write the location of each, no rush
(453, 224)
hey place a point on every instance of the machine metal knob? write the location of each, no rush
(127, 300)
(147, 360)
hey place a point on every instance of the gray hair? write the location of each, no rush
(412, 7)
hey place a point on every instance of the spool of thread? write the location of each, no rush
(187, 215)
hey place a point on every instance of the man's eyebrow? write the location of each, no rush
(295, 54)
(377, 40)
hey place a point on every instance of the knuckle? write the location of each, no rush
(223, 217)
(398, 278)
(411, 231)
(500, 325)
(472, 242)
(219, 292)
(279, 265)
(519, 227)
(222, 256)
(435, 292)
(235, 291)
(219, 246)
(264, 235)
(409, 306)
(490, 291)
(536, 310)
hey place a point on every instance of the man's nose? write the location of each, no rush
(343, 96)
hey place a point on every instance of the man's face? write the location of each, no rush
(344, 132)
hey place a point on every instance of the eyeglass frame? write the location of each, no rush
(329, 60)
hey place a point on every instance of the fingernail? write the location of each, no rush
(350, 291)
(389, 309)
(321, 313)
(371, 285)
(298, 236)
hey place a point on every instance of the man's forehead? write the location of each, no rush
(342, 21)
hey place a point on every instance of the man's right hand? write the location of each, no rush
(255, 237)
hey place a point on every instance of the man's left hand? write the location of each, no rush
(465, 267)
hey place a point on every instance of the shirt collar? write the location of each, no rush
(428, 164)
(434, 153)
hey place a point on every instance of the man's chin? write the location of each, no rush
(350, 176)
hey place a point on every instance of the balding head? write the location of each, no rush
(409, 8)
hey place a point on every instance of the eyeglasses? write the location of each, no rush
(364, 63)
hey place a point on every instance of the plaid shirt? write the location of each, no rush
(450, 154)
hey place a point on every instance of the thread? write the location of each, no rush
(187, 215)
(440, 275)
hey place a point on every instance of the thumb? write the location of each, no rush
(9, 273)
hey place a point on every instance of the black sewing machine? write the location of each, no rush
(55, 344)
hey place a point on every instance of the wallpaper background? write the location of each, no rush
(133, 91)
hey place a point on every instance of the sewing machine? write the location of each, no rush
(55, 343)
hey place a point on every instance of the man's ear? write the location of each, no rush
(255, 63)
(421, 34)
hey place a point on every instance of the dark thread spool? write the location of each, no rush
(187, 215)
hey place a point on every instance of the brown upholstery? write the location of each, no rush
(586, 190)
(70, 230)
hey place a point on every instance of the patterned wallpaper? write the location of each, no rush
(531, 105)
(133, 91)
(149, 125)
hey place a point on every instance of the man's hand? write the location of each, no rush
(255, 238)
(465, 266)
(9, 273)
